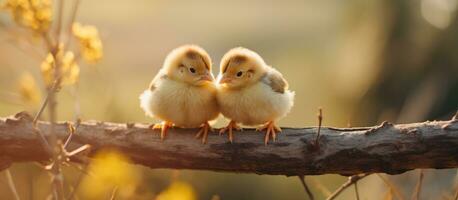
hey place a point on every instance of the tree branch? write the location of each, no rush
(386, 148)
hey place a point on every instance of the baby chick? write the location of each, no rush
(252, 93)
(183, 93)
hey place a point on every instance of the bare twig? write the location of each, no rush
(416, 193)
(56, 171)
(72, 130)
(44, 104)
(59, 20)
(57, 178)
(79, 150)
(351, 180)
(356, 190)
(306, 188)
(43, 140)
(72, 20)
(320, 119)
(392, 187)
(11, 184)
(78, 182)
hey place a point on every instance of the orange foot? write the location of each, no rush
(203, 132)
(164, 126)
(271, 129)
(232, 125)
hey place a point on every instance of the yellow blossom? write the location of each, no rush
(69, 69)
(109, 170)
(178, 190)
(34, 14)
(90, 43)
(28, 89)
(47, 70)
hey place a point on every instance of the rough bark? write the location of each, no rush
(386, 148)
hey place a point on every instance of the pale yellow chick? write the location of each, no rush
(252, 93)
(183, 93)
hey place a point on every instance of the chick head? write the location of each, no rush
(190, 64)
(241, 67)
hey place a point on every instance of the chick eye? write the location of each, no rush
(239, 74)
(192, 70)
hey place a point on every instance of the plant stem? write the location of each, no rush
(416, 194)
(351, 180)
(306, 188)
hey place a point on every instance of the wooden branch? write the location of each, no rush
(386, 148)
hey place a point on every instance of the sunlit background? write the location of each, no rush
(363, 62)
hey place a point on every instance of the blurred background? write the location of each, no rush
(363, 62)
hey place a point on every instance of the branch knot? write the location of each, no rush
(382, 126)
(23, 116)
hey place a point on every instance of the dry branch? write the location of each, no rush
(351, 180)
(386, 148)
(306, 187)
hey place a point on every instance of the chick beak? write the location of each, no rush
(206, 77)
(224, 80)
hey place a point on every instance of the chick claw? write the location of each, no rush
(164, 126)
(271, 129)
(203, 132)
(229, 128)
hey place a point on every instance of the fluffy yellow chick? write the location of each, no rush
(183, 93)
(252, 93)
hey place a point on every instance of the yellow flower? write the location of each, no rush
(28, 89)
(109, 170)
(33, 14)
(178, 190)
(47, 70)
(90, 43)
(69, 69)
